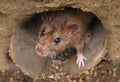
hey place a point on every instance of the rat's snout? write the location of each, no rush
(41, 50)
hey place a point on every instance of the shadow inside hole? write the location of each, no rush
(23, 47)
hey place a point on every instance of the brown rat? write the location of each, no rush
(61, 30)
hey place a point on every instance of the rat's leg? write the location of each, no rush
(80, 56)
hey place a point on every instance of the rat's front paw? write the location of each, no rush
(80, 60)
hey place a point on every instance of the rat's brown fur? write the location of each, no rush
(69, 25)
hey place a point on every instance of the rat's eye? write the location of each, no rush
(57, 40)
(43, 32)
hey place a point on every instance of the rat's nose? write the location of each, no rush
(39, 50)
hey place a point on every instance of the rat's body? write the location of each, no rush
(61, 30)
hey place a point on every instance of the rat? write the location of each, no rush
(63, 29)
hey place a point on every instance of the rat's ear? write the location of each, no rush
(73, 28)
(45, 17)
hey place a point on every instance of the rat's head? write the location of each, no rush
(55, 35)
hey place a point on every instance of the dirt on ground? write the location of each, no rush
(105, 71)
(12, 12)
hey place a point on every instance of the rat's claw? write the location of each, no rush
(80, 60)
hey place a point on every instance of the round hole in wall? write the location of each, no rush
(22, 46)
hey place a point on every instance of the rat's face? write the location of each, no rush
(52, 39)
(55, 35)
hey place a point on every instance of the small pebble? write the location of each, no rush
(87, 77)
(11, 79)
(80, 80)
(95, 73)
(114, 74)
(97, 80)
(118, 80)
(17, 71)
(51, 77)
(57, 67)
(110, 72)
(114, 69)
(43, 76)
(3, 72)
